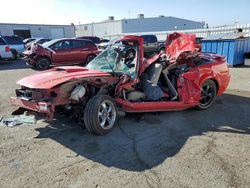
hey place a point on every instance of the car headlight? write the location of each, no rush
(77, 93)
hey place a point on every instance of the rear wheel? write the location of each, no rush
(42, 63)
(88, 59)
(14, 54)
(100, 114)
(208, 94)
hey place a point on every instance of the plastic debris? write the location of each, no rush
(18, 120)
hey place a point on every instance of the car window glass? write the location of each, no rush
(96, 40)
(152, 39)
(78, 43)
(61, 45)
(13, 40)
(2, 42)
(66, 44)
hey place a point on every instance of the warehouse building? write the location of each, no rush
(37, 30)
(115, 27)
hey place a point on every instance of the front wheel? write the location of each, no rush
(100, 114)
(42, 63)
(208, 94)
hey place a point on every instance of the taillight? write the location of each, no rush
(7, 49)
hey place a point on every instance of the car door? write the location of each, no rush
(146, 43)
(150, 43)
(79, 50)
(153, 43)
(63, 54)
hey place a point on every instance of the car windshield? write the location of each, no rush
(13, 40)
(118, 58)
(47, 44)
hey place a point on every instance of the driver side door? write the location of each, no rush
(62, 53)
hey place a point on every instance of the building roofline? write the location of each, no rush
(25, 24)
(108, 21)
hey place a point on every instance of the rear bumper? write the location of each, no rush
(41, 107)
(6, 55)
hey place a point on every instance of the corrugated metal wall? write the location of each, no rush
(161, 35)
(99, 29)
(233, 50)
(117, 27)
(37, 30)
(159, 24)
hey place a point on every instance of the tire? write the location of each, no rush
(98, 110)
(42, 63)
(162, 49)
(15, 55)
(208, 94)
(88, 59)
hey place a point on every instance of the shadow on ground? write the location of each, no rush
(143, 141)
(13, 65)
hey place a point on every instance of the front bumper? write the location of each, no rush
(29, 59)
(41, 107)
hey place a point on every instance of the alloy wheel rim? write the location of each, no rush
(206, 94)
(106, 115)
(43, 64)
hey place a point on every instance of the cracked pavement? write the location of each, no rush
(172, 149)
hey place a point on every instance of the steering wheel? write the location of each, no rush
(129, 57)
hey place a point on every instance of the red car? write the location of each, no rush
(60, 52)
(121, 80)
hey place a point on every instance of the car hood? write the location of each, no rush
(51, 78)
(176, 43)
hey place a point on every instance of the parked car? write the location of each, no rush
(16, 45)
(120, 80)
(104, 40)
(103, 45)
(37, 40)
(152, 45)
(26, 41)
(5, 52)
(95, 40)
(60, 52)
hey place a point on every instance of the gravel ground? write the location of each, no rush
(174, 149)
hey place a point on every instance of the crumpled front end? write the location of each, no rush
(40, 101)
(30, 55)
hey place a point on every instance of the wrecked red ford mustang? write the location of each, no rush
(121, 80)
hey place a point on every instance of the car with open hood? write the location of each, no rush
(121, 80)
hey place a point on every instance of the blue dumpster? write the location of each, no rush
(231, 45)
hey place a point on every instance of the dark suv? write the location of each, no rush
(95, 40)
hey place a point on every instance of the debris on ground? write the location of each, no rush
(18, 120)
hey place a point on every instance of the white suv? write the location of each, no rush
(16, 45)
(5, 52)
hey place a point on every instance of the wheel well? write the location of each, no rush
(13, 50)
(217, 85)
(91, 55)
(40, 56)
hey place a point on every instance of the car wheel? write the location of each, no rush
(100, 114)
(208, 94)
(88, 59)
(14, 54)
(162, 49)
(42, 63)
